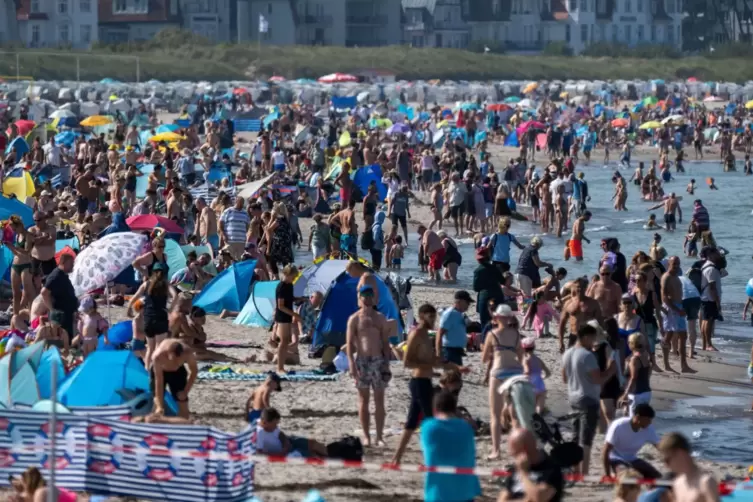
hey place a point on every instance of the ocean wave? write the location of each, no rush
(603, 228)
(636, 220)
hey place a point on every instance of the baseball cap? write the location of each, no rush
(463, 295)
(503, 310)
(366, 290)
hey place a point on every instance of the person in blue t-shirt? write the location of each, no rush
(451, 339)
(448, 441)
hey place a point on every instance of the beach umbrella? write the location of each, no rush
(620, 123)
(334, 78)
(24, 127)
(65, 138)
(9, 207)
(277, 78)
(96, 121)
(712, 99)
(104, 259)
(525, 103)
(512, 99)
(62, 114)
(652, 124)
(167, 128)
(530, 87)
(692, 79)
(152, 221)
(525, 126)
(398, 129)
(497, 107)
(650, 100)
(240, 91)
(676, 119)
(167, 137)
(749, 104)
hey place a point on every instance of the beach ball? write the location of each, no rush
(749, 288)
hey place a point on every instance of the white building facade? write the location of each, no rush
(57, 23)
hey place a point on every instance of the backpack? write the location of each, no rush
(347, 448)
(367, 240)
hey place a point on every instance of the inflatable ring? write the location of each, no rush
(157, 445)
(749, 288)
(105, 433)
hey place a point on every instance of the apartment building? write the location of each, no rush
(321, 22)
(53, 23)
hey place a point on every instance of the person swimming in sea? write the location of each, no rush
(691, 187)
(260, 397)
(712, 185)
(651, 223)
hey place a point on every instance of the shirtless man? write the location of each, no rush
(369, 354)
(674, 319)
(560, 209)
(43, 250)
(87, 190)
(606, 292)
(671, 205)
(620, 193)
(690, 484)
(578, 310)
(206, 225)
(174, 204)
(578, 236)
(173, 366)
(266, 152)
(348, 229)
(345, 183)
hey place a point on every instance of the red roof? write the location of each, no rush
(23, 12)
(158, 12)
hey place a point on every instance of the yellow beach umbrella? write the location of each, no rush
(530, 88)
(168, 137)
(749, 104)
(96, 121)
(653, 124)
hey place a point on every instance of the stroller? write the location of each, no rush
(566, 454)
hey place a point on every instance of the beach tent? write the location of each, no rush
(176, 256)
(340, 302)
(50, 358)
(319, 276)
(96, 381)
(19, 183)
(21, 146)
(142, 182)
(6, 258)
(72, 243)
(229, 290)
(344, 102)
(512, 139)
(365, 175)
(260, 308)
(18, 383)
(9, 207)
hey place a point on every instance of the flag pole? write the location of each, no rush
(51, 496)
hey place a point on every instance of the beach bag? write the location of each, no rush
(347, 448)
(367, 240)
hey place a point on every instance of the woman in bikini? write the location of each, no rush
(503, 350)
(21, 277)
(90, 325)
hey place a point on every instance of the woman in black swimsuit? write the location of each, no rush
(370, 205)
(606, 355)
(145, 263)
(156, 292)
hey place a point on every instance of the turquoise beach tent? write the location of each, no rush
(9, 207)
(229, 290)
(19, 386)
(260, 308)
(143, 181)
(50, 358)
(73, 243)
(340, 303)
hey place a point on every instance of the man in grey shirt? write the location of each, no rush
(581, 373)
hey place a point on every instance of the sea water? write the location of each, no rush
(730, 212)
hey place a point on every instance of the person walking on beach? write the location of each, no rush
(711, 296)
(581, 373)
(675, 322)
(234, 224)
(575, 243)
(206, 225)
(625, 437)
(578, 310)
(690, 484)
(451, 337)
(606, 292)
(368, 350)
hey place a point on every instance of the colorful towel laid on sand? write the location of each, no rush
(233, 376)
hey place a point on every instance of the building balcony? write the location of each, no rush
(366, 20)
(455, 25)
(414, 26)
(316, 20)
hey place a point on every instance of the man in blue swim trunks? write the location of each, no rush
(674, 320)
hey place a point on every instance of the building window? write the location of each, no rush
(584, 5)
(567, 33)
(63, 34)
(119, 6)
(63, 6)
(573, 5)
(628, 6)
(670, 6)
(85, 6)
(639, 5)
(615, 34)
(653, 33)
(86, 34)
(36, 35)
(584, 33)
(670, 34)
(34, 6)
(601, 7)
(603, 32)
(640, 33)
(269, 8)
(628, 34)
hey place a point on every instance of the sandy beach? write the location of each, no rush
(326, 411)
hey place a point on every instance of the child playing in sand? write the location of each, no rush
(90, 325)
(651, 223)
(270, 440)
(260, 397)
(691, 187)
(712, 185)
(539, 314)
(52, 334)
(396, 253)
(138, 344)
(510, 292)
(533, 367)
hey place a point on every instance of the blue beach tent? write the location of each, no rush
(9, 207)
(259, 310)
(340, 302)
(229, 290)
(365, 175)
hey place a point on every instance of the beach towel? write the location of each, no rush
(260, 377)
(230, 344)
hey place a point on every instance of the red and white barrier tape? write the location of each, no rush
(161, 451)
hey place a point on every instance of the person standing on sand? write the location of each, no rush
(368, 349)
(575, 244)
(451, 337)
(690, 484)
(711, 296)
(675, 322)
(206, 225)
(578, 310)
(433, 249)
(606, 292)
(285, 316)
(421, 360)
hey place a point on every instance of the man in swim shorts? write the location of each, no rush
(174, 367)
(671, 206)
(674, 320)
(578, 236)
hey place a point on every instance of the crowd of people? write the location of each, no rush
(609, 325)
